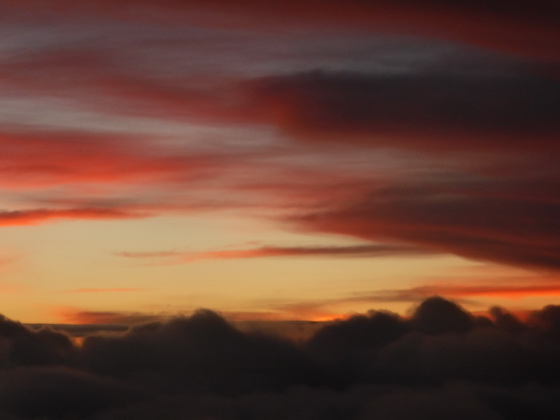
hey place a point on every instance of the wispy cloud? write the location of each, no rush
(482, 219)
(72, 315)
(522, 28)
(39, 216)
(276, 251)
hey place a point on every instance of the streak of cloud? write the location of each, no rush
(176, 257)
(456, 216)
(512, 27)
(40, 216)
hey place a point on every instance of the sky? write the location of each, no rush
(282, 160)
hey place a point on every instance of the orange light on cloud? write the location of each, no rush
(503, 292)
(72, 315)
(39, 216)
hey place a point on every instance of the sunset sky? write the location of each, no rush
(276, 160)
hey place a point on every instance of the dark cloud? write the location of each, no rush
(450, 402)
(437, 315)
(60, 393)
(486, 220)
(439, 110)
(23, 347)
(441, 362)
(199, 353)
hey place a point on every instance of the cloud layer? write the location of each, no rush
(428, 124)
(442, 361)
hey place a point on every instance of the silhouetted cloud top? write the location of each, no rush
(441, 362)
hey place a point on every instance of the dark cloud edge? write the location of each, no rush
(441, 361)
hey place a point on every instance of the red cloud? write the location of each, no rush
(62, 158)
(39, 216)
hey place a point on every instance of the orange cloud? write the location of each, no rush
(73, 315)
(513, 291)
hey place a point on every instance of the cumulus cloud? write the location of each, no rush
(442, 361)
(59, 392)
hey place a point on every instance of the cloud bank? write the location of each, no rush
(441, 361)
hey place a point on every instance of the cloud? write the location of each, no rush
(23, 347)
(39, 216)
(199, 353)
(176, 257)
(441, 110)
(511, 27)
(77, 316)
(61, 392)
(372, 365)
(437, 316)
(325, 310)
(82, 158)
(512, 291)
(508, 288)
(476, 220)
